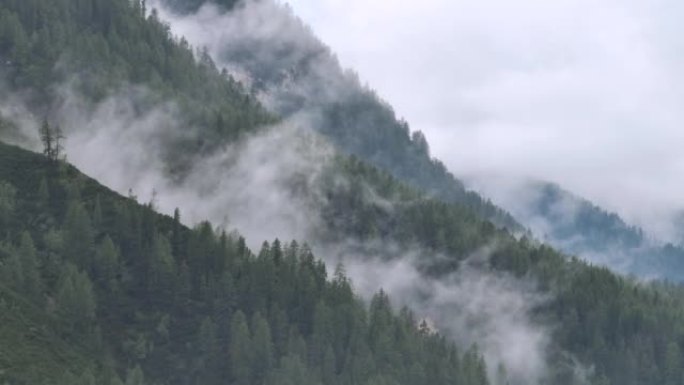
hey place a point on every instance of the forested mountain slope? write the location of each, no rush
(295, 74)
(99, 49)
(625, 331)
(95, 49)
(100, 289)
(151, 301)
(577, 226)
(139, 289)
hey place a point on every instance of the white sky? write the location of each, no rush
(585, 93)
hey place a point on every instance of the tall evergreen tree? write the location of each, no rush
(76, 298)
(240, 350)
(78, 235)
(30, 269)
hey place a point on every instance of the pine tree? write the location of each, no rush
(106, 266)
(135, 376)
(97, 213)
(52, 138)
(32, 283)
(209, 353)
(176, 242)
(78, 235)
(240, 350)
(7, 202)
(44, 192)
(163, 268)
(262, 347)
(75, 298)
(12, 270)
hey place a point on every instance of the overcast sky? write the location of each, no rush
(581, 92)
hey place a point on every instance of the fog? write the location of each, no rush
(268, 186)
(472, 306)
(585, 94)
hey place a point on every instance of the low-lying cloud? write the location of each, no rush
(269, 186)
(266, 186)
(585, 94)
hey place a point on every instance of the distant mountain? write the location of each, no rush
(577, 226)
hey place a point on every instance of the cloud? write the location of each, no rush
(266, 186)
(474, 305)
(585, 94)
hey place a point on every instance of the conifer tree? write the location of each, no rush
(29, 266)
(209, 353)
(262, 347)
(78, 235)
(135, 376)
(52, 137)
(240, 350)
(12, 270)
(75, 298)
(106, 265)
(7, 202)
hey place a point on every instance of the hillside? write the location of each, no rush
(103, 289)
(577, 226)
(605, 321)
(294, 74)
(121, 56)
(99, 288)
(146, 289)
(58, 56)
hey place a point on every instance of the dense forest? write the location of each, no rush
(119, 292)
(98, 48)
(631, 332)
(99, 288)
(297, 74)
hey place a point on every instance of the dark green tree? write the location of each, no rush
(241, 352)
(76, 299)
(78, 235)
(30, 269)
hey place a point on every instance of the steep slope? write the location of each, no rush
(95, 283)
(628, 332)
(162, 296)
(295, 74)
(120, 55)
(59, 53)
(171, 300)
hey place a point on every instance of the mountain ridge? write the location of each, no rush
(158, 302)
(578, 226)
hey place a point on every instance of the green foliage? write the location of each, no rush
(200, 309)
(106, 266)
(96, 47)
(7, 203)
(121, 284)
(352, 116)
(588, 230)
(30, 273)
(75, 299)
(78, 234)
(631, 332)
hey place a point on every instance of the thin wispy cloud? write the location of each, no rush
(585, 94)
